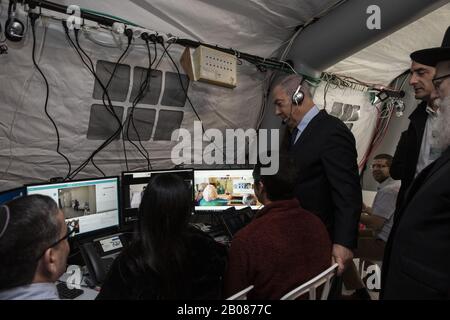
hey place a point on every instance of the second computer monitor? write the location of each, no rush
(88, 205)
(222, 189)
(134, 184)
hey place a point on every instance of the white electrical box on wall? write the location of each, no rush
(210, 65)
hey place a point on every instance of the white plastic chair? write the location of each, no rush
(241, 295)
(325, 279)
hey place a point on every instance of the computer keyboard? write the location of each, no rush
(65, 292)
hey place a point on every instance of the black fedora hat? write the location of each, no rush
(432, 56)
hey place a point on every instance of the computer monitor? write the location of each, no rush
(218, 190)
(89, 206)
(11, 194)
(134, 184)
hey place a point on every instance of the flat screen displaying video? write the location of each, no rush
(134, 184)
(88, 205)
(222, 189)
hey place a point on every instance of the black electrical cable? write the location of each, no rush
(182, 86)
(129, 34)
(33, 18)
(188, 99)
(115, 134)
(144, 87)
(156, 53)
(105, 91)
(79, 49)
(93, 72)
(131, 120)
(136, 100)
(141, 93)
(162, 56)
(147, 88)
(73, 45)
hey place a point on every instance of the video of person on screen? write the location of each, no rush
(78, 201)
(136, 193)
(225, 191)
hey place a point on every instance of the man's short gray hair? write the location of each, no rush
(290, 83)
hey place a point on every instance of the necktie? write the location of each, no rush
(294, 135)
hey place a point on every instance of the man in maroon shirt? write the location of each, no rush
(283, 247)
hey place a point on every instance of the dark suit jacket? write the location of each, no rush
(416, 264)
(408, 148)
(328, 183)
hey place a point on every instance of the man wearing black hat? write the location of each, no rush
(416, 147)
(417, 258)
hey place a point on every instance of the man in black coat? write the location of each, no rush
(413, 149)
(416, 264)
(325, 153)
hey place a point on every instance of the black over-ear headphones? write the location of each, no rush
(298, 96)
(14, 28)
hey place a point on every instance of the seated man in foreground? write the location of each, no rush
(33, 248)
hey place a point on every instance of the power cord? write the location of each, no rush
(144, 87)
(33, 17)
(105, 93)
(160, 41)
(78, 52)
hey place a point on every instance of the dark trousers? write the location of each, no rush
(336, 289)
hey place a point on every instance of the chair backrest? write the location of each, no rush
(325, 279)
(241, 295)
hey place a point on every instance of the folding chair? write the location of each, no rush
(325, 279)
(241, 295)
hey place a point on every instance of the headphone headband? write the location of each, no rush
(3, 230)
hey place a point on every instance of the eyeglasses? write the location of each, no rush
(379, 166)
(437, 81)
(68, 234)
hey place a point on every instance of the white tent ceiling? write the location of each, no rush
(253, 26)
(384, 60)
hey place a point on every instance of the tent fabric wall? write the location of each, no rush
(259, 27)
(361, 121)
(28, 140)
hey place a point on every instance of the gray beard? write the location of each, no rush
(443, 123)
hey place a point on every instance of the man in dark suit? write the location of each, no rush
(415, 148)
(416, 264)
(324, 152)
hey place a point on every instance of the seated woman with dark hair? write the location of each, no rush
(168, 259)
